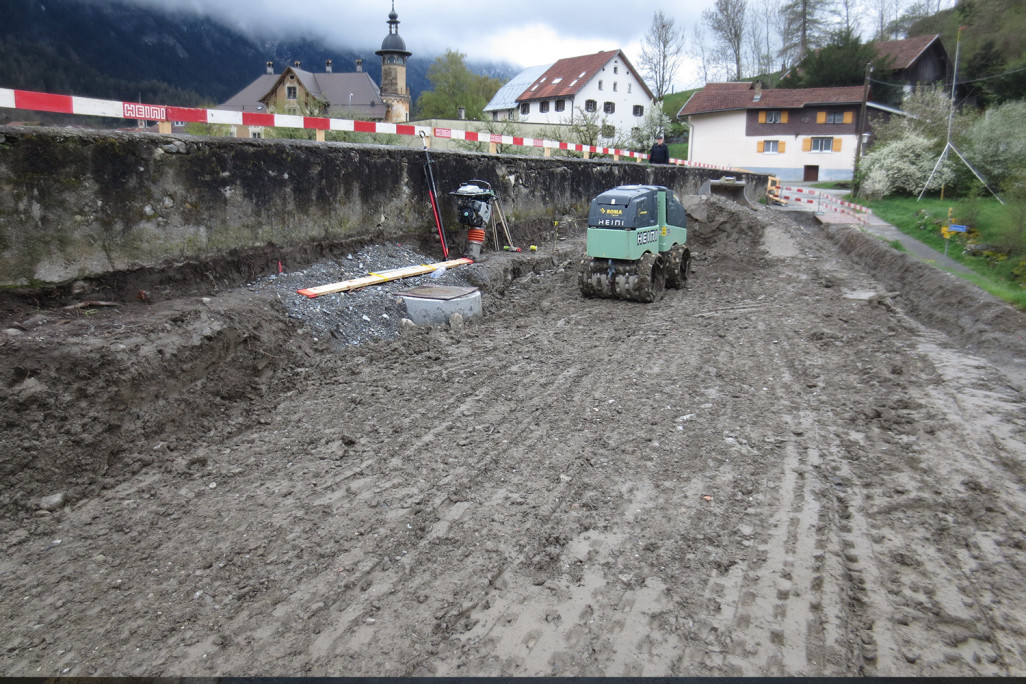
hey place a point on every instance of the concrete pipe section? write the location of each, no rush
(433, 304)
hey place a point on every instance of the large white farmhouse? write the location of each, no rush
(603, 85)
(808, 134)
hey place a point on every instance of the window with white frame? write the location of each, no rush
(772, 117)
(822, 144)
(770, 146)
(291, 92)
(835, 117)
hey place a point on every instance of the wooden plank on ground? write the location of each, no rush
(379, 278)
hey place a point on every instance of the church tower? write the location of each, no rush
(393, 55)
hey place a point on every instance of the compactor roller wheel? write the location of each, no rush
(643, 280)
(673, 259)
(678, 266)
(651, 282)
(585, 279)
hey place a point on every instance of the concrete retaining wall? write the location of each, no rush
(84, 204)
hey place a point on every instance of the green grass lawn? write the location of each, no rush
(833, 185)
(1000, 271)
(678, 150)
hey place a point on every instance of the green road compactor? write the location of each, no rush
(637, 244)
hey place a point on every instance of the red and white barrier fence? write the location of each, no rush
(70, 104)
(835, 205)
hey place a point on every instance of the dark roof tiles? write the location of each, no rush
(335, 88)
(904, 53)
(720, 97)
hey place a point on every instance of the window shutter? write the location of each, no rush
(760, 147)
(780, 147)
(807, 145)
(820, 117)
(837, 144)
(783, 117)
(849, 117)
(762, 119)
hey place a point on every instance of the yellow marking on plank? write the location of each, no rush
(379, 278)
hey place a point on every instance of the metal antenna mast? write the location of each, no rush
(948, 145)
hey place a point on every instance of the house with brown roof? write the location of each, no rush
(604, 85)
(305, 93)
(795, 134)
(348, 95)
(915, 60)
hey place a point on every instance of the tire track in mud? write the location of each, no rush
(443, 507)
(646, 644)
(814, 588)
(554, 640)
(948, 607)
(761, 609)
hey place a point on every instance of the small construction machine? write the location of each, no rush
(474, 210)
(475, 200)
(637, 244)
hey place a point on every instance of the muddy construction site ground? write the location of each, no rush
(808, 462)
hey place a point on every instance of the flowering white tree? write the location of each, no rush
(654, 122)
(997, 143)
(903, 166)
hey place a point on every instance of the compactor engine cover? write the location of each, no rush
(629, 220)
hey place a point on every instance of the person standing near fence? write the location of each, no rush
(660, 154)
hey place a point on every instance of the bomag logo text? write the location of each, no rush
(611, 212)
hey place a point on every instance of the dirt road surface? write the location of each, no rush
(777, 471)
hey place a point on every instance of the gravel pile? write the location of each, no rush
(356, 317)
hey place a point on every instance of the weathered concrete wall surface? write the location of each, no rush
(83, 204)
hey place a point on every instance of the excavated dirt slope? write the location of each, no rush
(777, 471)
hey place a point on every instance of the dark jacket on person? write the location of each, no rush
(660, 154)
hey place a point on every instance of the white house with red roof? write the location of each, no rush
(604, 84)
(796, 134)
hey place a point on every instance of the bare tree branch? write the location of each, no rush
(727, 20)
(661, 51)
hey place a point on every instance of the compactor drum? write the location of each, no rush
(637, 237)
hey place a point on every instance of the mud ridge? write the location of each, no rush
(942, 300)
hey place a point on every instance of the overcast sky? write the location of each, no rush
(521, 32)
